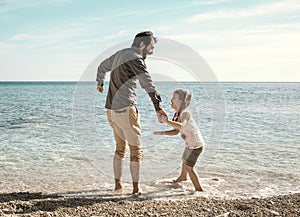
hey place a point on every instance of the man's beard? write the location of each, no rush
(145, 53)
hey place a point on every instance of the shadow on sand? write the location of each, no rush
(26, 202)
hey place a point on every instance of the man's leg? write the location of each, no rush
(135, 169)
(133, 135)
(118, 165)
(119, 157)
(135, 166)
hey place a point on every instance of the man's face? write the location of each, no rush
(149, 49)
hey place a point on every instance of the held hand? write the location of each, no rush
(162, 119)
(162, 116)
(100, 89)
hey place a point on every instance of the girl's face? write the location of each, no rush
(176, 102)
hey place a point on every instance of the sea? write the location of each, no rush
(55, 138)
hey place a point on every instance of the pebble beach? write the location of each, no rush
(38, 204)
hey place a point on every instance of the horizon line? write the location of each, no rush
(32, 81)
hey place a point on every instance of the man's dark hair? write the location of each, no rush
(143, 37)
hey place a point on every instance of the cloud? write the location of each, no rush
(259, 34)
(42, 39)
(158, 10)
(209, 2)
(4, 48)
(22, 37)
(277, 7)
(8, 5)
(261, 53)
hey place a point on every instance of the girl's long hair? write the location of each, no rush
(185, 96)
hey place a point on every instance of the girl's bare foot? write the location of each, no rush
(179, 179)
(200, 189)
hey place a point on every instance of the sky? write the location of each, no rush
(55, 40)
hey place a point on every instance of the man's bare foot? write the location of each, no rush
(179, 179)
(118, 188)
(118, 192)
(136, 194)
(136, 189)
(118, 185)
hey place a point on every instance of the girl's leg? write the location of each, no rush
(183, 175)
(194, 177)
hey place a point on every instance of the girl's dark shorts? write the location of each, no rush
(190, 156)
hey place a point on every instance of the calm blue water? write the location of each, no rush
(55, 138)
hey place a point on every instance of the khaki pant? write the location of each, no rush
(127, 130)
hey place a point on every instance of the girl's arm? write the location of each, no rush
(177, 125)
(168, 133)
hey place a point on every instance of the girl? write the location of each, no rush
(184, 123)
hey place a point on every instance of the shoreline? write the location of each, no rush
(39, 204)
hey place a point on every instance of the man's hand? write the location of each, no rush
(100, 89)
(162, 116)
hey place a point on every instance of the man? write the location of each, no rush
(127, 67)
